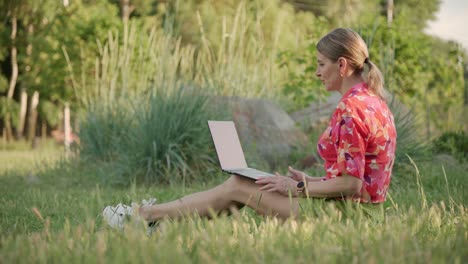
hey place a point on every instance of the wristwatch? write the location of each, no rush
(300, 187)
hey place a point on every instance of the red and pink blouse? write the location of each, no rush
(360, 141)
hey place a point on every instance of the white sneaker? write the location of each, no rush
(117, 216)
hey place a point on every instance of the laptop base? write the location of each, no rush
(249, 173)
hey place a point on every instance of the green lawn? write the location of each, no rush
(426, 221)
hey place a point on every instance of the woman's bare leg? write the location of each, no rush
(233, 193)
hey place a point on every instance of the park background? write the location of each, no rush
(138, 79)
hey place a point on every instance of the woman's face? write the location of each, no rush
(328, 72)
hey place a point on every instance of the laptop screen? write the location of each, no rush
(227, 144)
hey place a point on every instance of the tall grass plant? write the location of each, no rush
(161, 138)
(241, 61)
(171, 141)
(410, 135)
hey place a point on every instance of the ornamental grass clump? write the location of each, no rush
(161, 138)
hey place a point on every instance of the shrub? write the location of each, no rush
(409, 137)
(161, 138)
(454, 143)
(103, 129)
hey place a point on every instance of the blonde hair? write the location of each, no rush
(346, 43)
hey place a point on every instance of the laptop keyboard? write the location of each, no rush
(249, 172)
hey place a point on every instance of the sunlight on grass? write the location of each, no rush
(22, 159)
(56, 219)
(435, 235)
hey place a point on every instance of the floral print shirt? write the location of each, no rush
(360, 141)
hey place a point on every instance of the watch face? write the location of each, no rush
(300, 185)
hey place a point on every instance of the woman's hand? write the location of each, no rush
(301, 176)
(297, 175)
(278, 183)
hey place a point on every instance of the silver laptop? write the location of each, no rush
(229, 150)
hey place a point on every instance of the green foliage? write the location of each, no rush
(422, 71)
(302, 87)
(263, 24)
(45, 29)
(171, 140)
(49, 111)
(8, 106)
(87, 26)
(410, 139)
(454, 143)
(103, 129)
(163, 138)
(404, 13)
(3, 84)
(230, 45)
(357, 11)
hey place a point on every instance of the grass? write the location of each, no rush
(426, 222)
(18, 157)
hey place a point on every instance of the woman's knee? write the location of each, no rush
(236, 184)
(233, 182)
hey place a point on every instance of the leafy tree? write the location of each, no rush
(45, 30)
(412, 15)
(423, 71)
(338, 12)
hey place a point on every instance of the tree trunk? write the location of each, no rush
(33, 116)
(126, 10)
(43, 131)
(26, 71)
(14, 75)
(22, 114)
(389, 12)
(14, 61)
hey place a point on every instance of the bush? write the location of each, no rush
(161, 138)
(409, 137)
(454, 143)
(103, 130)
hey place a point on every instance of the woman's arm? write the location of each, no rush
(341, 186)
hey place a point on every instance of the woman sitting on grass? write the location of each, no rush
(358, 148)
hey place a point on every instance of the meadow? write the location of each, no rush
(51, 210)
(140, 92)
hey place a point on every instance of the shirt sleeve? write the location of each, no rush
(351, 147)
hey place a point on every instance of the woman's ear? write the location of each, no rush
(343, 63)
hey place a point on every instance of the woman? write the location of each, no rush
(358, 148)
